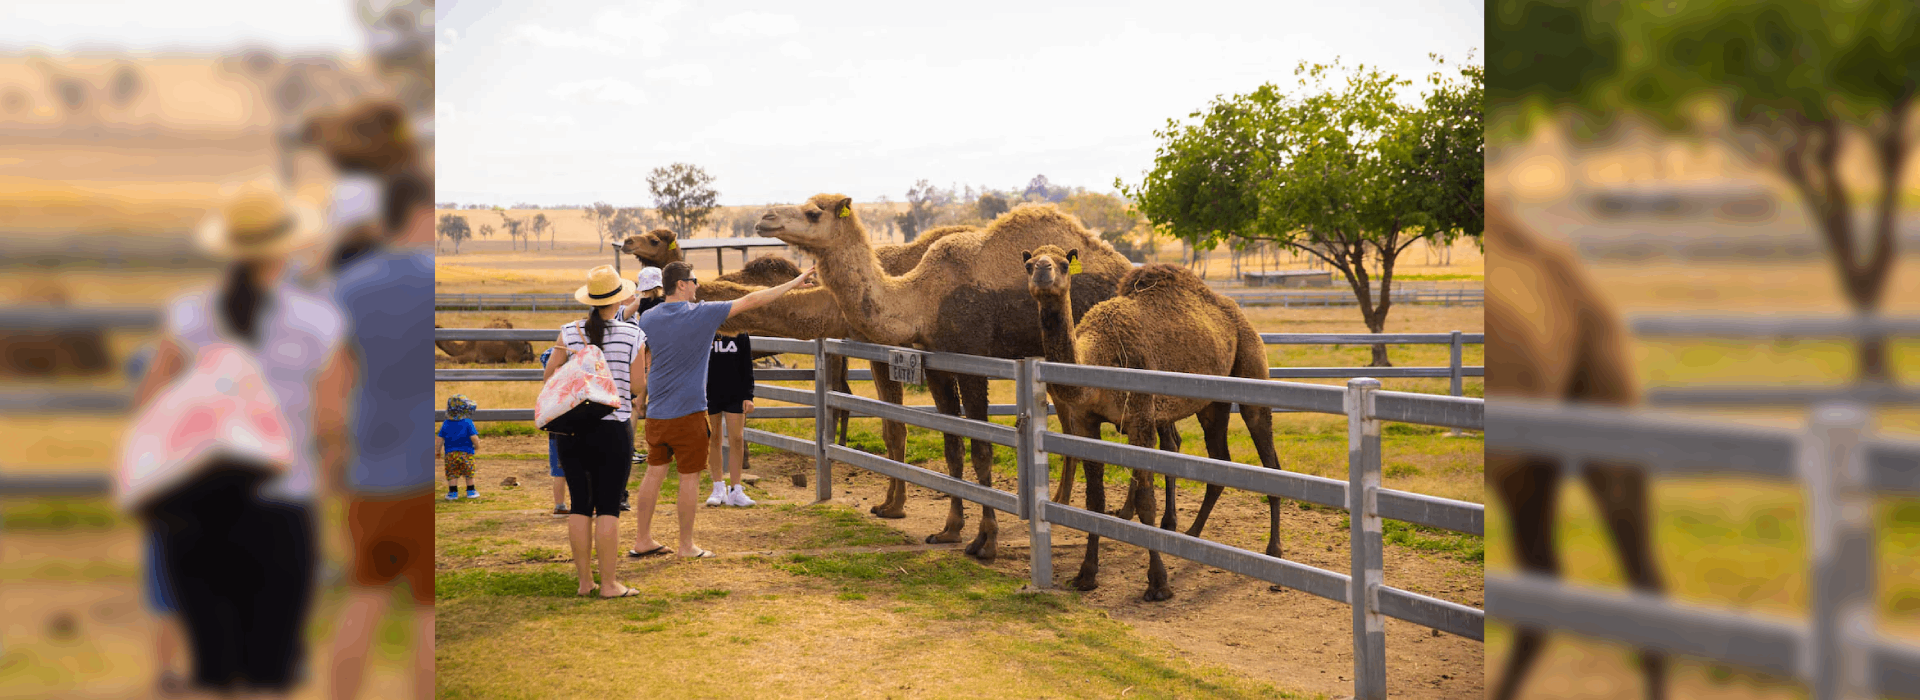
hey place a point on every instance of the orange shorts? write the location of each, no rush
(684, 438)
(393, 538)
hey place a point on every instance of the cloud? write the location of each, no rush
(604, 91)
(644, 30)
(795, 49)
(543, 120)
(756, 24)
(536, 35)
(690, 74)
(445, 42)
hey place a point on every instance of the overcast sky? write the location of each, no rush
(288, 26)
(572, 102)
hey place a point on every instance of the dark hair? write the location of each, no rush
(672, 274)
(596, 326)
(240, 301)
(405, 193)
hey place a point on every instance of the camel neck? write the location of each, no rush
(867, 297)
(1056, 340)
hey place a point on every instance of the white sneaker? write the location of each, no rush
(738, 497)
(719, 496)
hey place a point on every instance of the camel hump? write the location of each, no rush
(772, 265)
(1160, 278)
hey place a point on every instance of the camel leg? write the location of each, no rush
(1089, 427)
(1142, 433)
(946, 399)
(1213, 426)
(1621, 493)
(973, 396)
(1530, 490)
(894, 434)
(1063, 491)
(837, 376)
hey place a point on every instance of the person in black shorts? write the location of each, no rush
(729, 397)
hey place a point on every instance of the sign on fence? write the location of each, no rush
(907, 366)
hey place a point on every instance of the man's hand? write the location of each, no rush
(805, 280)
(746, 407)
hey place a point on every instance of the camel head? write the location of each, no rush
(1049, 270)
(499, 323)
(656, 248)
(823, 222)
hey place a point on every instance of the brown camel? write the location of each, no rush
(965, 296)
(810, 314)
(52, 353)
(487, 351)
(370, 135)
(1559, 340)
(1165, 319)
(656, 248)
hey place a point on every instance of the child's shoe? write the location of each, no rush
(453, 495)
(472, 493)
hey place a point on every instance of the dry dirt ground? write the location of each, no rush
(1294, 640)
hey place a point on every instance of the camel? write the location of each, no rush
(1559, 340)
(656, 248)
(52, 353)
(370, 135)
(1166, 319)
(963, 297)
(487, 351)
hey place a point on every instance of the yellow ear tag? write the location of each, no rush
(846, 212)
(1073, 266)
(672, 245)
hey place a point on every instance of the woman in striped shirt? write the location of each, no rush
(597, 461)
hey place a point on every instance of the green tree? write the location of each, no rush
(540, 223)
(1340, 170)
(1786, 84)
(990, 206)
(684, 196)
(601, 214)
(516, 228)
(454, 228)
(924, 202)
(1108, 217)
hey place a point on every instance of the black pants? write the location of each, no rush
(597, 462)
(242, 569)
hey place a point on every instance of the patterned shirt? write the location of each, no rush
(619, 342)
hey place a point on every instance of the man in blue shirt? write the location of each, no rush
(387, 296)
(679, 340)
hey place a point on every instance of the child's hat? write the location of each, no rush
(459, 406)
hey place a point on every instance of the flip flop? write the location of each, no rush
(631, 592)
(704, 554)
(656, 551)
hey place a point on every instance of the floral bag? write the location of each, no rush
(219, 408)
(582, 390)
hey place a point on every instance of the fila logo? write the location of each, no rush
(726, 346)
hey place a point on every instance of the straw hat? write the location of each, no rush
(604, 286)
(257, 222)
(649, 278)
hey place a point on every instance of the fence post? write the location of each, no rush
(822, 425)
(1363, 486)
(1453, 367)
(1033, 395)
(1839, 657)
(1023, 450)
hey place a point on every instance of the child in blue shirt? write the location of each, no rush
(456, 440)
(560, 508)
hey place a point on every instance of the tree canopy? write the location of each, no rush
(683, 195)
(1338, 168)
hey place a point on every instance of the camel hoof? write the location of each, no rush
(943, 538)
(1084, 582)
(982, 549)
(1155, 595)
(891, 514)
